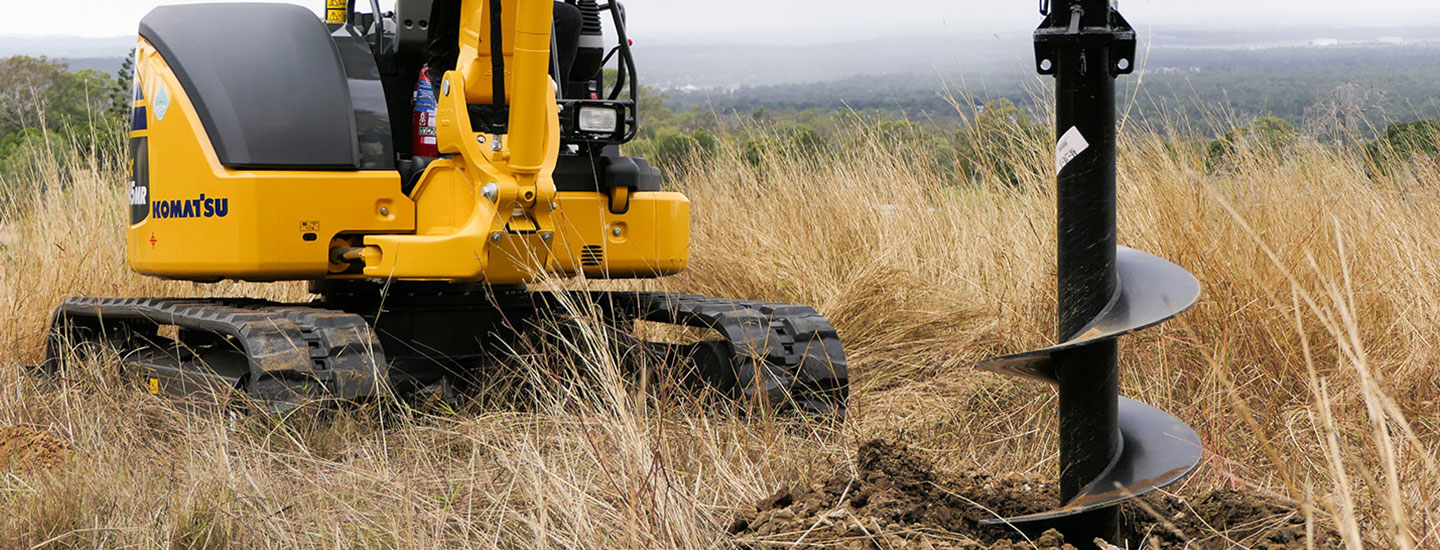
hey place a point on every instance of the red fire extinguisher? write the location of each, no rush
(424, 144)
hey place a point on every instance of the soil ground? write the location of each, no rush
(895, 499)
(26, 450)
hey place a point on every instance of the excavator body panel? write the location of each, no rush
(193, 218)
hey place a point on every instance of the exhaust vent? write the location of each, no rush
(592, 256)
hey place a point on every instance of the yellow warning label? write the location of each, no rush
(335, 17)
(335, 4)
(154, 386)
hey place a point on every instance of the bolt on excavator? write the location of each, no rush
(424, 168)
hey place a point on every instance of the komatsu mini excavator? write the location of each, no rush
(269, 144)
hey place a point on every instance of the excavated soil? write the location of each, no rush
(26, 450)
(896, 500)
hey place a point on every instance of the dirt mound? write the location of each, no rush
(26, 450)
(897, 501)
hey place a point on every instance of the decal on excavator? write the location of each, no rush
(139, 180)
(162, 103)
(203, 207)
(138, 122)
(335, 12)
(139, 157)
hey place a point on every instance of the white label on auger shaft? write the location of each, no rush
(1070, 146)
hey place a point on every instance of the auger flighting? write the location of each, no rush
(1111, 448)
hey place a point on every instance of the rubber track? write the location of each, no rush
(786, 355)
(282, 341)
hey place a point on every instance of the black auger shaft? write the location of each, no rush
(1088, 377)
(1081, 37)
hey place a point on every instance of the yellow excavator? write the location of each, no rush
(269, 144)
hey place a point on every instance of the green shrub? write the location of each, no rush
(1265, 136)
(1402, 144)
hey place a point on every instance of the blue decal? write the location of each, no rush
(203, 207)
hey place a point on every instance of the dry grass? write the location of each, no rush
(1309, 367)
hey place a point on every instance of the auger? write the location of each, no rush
(1111, 448)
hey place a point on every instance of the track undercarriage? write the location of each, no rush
(362, 341)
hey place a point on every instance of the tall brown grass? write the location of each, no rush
(1309, 367)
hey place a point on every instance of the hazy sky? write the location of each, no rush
(805, 21)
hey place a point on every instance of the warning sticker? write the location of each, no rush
(335, 17)
(161, 105)
(335, 4)
(1070, 146)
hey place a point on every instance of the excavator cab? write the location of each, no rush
(269, 144)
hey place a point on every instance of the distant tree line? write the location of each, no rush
(1345, 95)
(992, 142)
